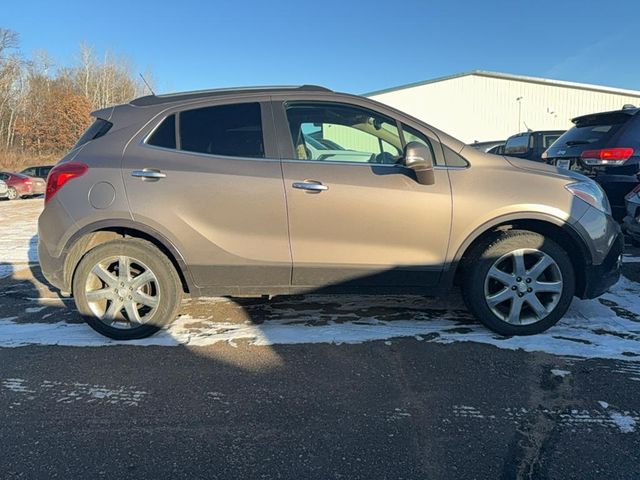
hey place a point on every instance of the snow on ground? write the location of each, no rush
(608, 327)
(19, 226)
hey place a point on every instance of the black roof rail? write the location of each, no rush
(314, 88)
(150, 100)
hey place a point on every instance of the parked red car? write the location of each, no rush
(19, 185)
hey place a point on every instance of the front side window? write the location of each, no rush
(343, 133)
(228, 130)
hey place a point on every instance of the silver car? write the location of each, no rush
(4, 189)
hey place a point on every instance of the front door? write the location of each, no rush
(357, 218)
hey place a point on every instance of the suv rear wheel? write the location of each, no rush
(127, 289)
(521, 283)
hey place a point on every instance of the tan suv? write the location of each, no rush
(270, 191)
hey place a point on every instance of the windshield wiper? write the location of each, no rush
(571, 143)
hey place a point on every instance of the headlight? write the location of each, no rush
(591, 193)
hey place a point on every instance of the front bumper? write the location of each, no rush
(598, 278)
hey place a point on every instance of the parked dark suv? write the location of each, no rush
(606, 147)
(223, 193)
(530, 145)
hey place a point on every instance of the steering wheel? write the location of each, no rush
(384, 157)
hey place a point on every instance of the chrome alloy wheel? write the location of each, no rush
(122, 292)
(523, 287)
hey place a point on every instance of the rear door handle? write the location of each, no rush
(148, 174)
(310, 186)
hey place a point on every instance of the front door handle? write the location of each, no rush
(148, 174)
(310, 186)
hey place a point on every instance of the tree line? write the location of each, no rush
(44, 107)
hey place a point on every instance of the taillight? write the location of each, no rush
(61, 174)
(607, 156)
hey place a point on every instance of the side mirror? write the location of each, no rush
(419, 158)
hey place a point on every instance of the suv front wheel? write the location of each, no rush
(521, 283)
(127, 289)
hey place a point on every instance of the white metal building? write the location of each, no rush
(484, 106)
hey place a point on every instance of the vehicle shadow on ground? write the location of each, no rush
(316, 308)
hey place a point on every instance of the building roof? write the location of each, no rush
(518, 78)
(149, 100)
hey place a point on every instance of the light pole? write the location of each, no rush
(519, 100)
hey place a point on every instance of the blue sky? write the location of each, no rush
(353, 46)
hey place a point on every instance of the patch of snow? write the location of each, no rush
(625, 423)
(71, 392)
(560, 373)
(34, 309)
(604, 405)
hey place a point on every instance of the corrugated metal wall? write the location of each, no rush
(484, 108)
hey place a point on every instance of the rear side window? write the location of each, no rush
(518, 144)
(165, 135)
(96, 130)
(229, 130)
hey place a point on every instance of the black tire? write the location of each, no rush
(483, 258)
(169, 286)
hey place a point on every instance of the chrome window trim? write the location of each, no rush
(208, 155)
(338, 162)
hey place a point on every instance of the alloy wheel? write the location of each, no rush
(523, 287)
(122, 292)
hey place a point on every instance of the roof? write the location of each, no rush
(518, 78)
(149, 100)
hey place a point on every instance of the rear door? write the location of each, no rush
(357, 218)
(209, 179)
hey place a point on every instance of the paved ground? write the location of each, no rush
(313, 387)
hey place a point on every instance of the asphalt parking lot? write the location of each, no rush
(313, 387)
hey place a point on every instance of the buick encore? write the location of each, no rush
(267, 191)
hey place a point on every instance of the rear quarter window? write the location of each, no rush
(165, 134)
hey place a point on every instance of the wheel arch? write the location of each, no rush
(551, 227)
(98, 233)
